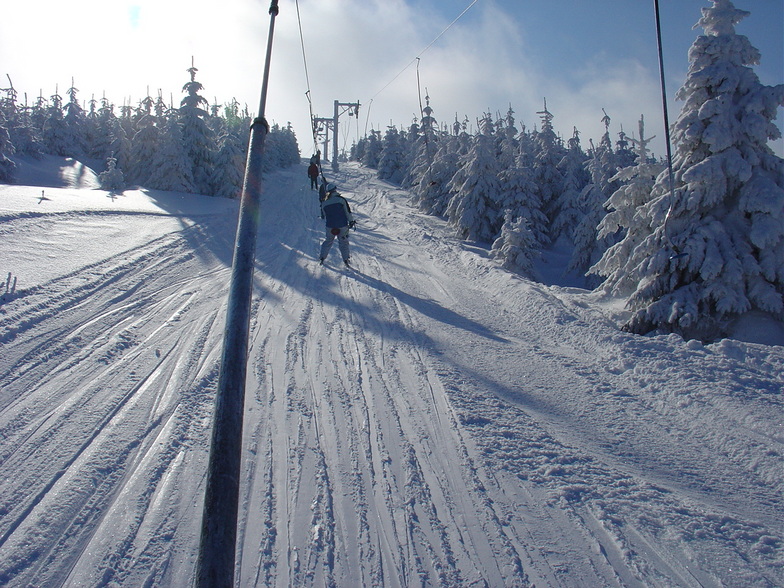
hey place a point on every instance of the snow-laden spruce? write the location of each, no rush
(575, 178)
(112, 179)
(473, 208)
(391, 162)
(637, 182)
(516, 248)
(714, 249)
(6, 151)
(602, 166)
(196, 134)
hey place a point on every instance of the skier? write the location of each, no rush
(336, 211)
(313, 174)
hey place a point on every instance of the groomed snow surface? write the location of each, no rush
(424, 419)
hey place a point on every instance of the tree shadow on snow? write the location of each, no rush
(429, 308)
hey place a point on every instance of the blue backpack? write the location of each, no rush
(336, 213)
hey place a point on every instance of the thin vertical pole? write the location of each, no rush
(666, 115)
(216, 562)
(335, 138)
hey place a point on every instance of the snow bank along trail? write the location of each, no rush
(425, 419)
(103, 376)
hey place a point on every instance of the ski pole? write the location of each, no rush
(216, 561)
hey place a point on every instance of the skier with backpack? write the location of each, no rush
(336, 212)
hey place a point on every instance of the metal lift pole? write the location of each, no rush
(335, 138)
(664, 106)
(216, 561)
(335, 118)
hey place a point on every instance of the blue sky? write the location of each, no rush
(581, 55)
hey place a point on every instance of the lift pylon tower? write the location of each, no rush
(353, 110)
(323, 126)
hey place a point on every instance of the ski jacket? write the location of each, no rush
(313, 170)
(336, 211)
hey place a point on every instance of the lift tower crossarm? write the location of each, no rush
(353, 109)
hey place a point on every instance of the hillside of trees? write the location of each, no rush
(692, 246)
(194, 148)
(692, 251)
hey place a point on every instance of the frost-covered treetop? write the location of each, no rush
(721, 18)
(718, 22)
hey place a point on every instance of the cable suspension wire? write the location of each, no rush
(415, 60)
(419, 93)
(422, 116)
(307, 79)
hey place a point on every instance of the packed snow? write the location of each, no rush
(427, 418)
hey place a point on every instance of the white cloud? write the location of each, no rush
(623, 88)
(469, 71)
(354, 49)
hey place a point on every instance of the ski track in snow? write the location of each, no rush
(424, 419)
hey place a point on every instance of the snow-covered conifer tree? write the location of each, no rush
(95, 115)
(171, 168)
(392, 159)
(725, 219)
(547, 176)
(119, 144)
(432, 194)
(105, 130)
(636, 185)
(520, 198)
(75, 124)
(229, 170)
(291, 152)
(281, 149)
(423, 151)
(372, 150)
(435, 187)
(112, 178)
(7, 166)
(409, 143)
(7, 149)
(588, 247)
(143, 148)
(22, 133)
(624, 155)
(39, 113)
(238, 122)
(473, 208)
(55, 132)
(516, 247)
(196, 133)
(527, 147)
(575, 179)
(358, 150)
(508, 146)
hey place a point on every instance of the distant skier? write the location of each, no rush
(336, 212)
(313, 174)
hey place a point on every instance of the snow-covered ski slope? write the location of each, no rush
(425, 419)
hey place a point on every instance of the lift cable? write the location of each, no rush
(307, 78)
(433, 42)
